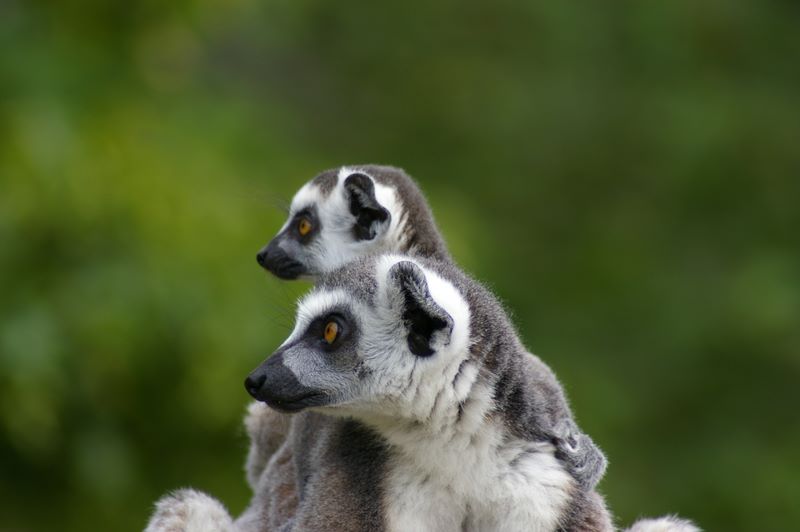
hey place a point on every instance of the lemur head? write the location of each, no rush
(378, 336)
(351, 212)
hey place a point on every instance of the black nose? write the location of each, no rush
(254, 382)
(276, 260)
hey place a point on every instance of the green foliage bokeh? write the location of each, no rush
(626, 177)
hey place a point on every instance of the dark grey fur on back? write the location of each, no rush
(339, 466)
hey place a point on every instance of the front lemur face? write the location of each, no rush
(377, 337)
(333, 219)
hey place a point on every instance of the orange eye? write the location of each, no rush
(304, 226)
(331, 332)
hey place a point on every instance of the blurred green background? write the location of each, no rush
(626, 177)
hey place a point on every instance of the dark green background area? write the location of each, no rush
(625, 176)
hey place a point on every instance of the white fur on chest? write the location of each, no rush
(478, 483)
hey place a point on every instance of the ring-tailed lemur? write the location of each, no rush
(423, 409)
(340, 215)
(355, 227)
(353, 211)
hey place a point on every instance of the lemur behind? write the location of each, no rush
(350, 212)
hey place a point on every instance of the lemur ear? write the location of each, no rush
(364, 206)
(429, 326)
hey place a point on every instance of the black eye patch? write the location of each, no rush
(315, 334)
(310, 215)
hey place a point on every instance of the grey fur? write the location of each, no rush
(269, 429)
(326, 181)
(324, 476)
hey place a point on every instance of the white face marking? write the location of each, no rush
(336, 244)
(400, 384)
(308, 195)
(313, 305)
(405, 385)
(316, 304)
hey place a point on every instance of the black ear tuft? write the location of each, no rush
(422, 316)
(364, 206)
